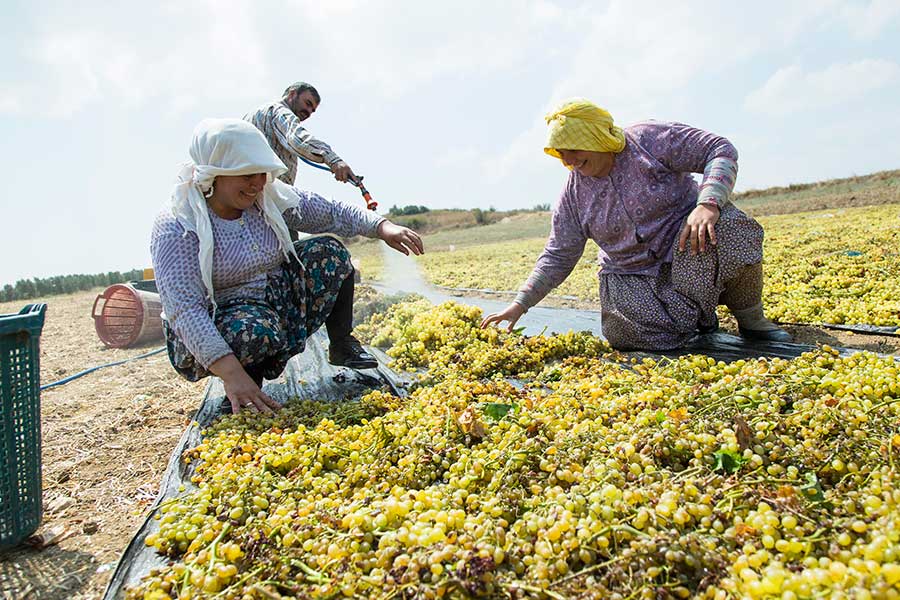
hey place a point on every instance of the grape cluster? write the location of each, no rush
(447, 339)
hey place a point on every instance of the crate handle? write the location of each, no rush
(30, 319)
(94, 314)
(34, 309)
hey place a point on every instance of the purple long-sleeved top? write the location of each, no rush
(634, 213)
(245, 251)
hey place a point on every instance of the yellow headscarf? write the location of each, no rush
(579, 124)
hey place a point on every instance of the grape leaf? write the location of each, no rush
(470, 424)
(497, 410)
(812, 491)
(728, 461)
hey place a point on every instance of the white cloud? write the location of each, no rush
(869, 20)
(70, 59)
(390, 52)
(459, 156)
(185, 53)
(628, 53)
(208, 50)
(520, 156)
(792, 89)
(634, 58)
(11, 101)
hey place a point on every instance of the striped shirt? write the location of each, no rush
(634, 213)
(289, 139)
(245, 251)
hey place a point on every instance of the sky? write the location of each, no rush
(436, 104)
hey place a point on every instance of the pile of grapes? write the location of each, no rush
(550, 467)
(834, 266)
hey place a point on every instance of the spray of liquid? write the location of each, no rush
(401, 274)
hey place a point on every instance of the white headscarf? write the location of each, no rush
(229, 147)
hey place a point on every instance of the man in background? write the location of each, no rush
(280, 121)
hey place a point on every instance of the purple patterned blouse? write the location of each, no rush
(634, 213)
(245, 251)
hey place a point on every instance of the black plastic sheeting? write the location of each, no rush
(545, 320)
(310, 376)
(889, 330)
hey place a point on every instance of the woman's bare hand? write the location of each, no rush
(699, 227)
(402, 239)
(511, 313)
(241, 390)
(243, 393)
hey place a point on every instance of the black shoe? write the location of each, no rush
(769, 335)
(709, 328)
(350, 353)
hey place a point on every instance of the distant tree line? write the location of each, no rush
(410, 209)
(481, 216)
(38, 287)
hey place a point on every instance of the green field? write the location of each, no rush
(878, 188)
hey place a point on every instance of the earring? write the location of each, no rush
(208, 194)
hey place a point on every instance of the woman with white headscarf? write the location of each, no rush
(239, 297)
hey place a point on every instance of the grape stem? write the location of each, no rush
(311, 574)
(589, 569)
(240, 581)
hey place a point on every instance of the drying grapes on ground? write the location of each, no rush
(550, 467)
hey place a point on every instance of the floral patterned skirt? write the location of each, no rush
(664, 311)
(265, 334)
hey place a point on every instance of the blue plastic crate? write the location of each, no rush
(20, 424)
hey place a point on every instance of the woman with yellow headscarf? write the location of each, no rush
(670, 250)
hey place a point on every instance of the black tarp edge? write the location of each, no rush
(893, 331)
(889, 330)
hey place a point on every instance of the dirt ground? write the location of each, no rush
(107, 438)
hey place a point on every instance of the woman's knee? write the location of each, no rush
(254, 346)
(616, 338)
(618, 331)
(317, 248)
(252, 332)
(326, 264)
